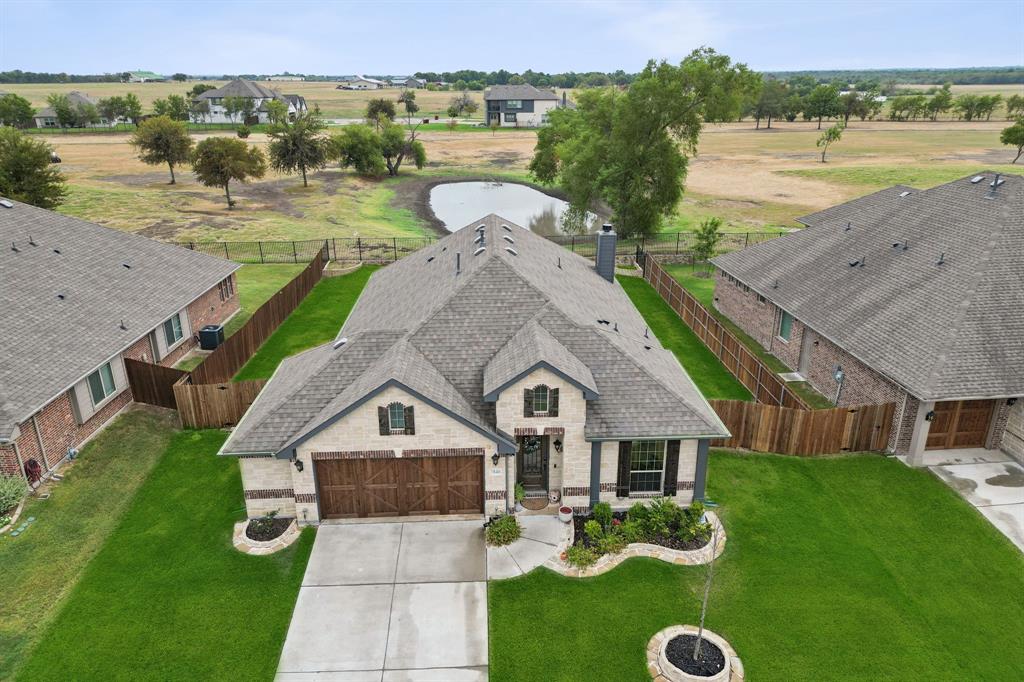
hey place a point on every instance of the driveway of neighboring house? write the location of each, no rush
(988, 479)
(391, 602)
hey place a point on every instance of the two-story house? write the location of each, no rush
(258, 95)
(490, 358)
(518, 106)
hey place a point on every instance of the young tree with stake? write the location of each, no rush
(830, 136)
(1014, 136)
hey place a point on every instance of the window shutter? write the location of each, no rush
(527, 402)
(382, 418)
(410, 422)
(553, 402)
(622, 484)
(671, 467)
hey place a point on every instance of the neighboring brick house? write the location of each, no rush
(75, 300)
(491, 358)
(907, 296)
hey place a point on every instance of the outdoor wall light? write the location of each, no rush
(558, 445)
(494, 459)
(299, 466)
(1010, 402)
(930, 417)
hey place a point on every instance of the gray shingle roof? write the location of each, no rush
(75, 97)
(525, 91)
(419, 323)
(948, 331)
(241, 88)
(48, 344)
(530, 346)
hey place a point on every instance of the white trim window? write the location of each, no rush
(101, 384)
(541, 400)
(510, 117)
(396, 417)
(173, 331)
(785, 326)
(646, 466)
(513, 104)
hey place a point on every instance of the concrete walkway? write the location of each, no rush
(539, 541)
(988, 479)
(391, 602)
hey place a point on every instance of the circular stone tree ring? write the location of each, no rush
(660, 667)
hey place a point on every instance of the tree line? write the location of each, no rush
(997, 75)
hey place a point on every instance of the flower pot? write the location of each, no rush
(565, 514)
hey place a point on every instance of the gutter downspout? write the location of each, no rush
(39, 442)
(701, 476)
(595, 473)
(509, 494)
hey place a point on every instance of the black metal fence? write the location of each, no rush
(390, 249)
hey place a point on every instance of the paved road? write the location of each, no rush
(391, 602)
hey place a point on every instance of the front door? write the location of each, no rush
(532, 461)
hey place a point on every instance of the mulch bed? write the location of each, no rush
(680, 654)
(671, 541)
(276, 529)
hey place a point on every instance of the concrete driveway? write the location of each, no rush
(391, 602)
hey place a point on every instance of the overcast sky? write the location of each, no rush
(331, 37)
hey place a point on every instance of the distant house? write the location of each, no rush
(519, 106)
(906, 296)
(145, 77)
(408, 83)
(259, 95)
(286, 77)
(47, 117)
(362, 83)
(77, 300)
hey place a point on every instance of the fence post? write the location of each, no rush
(295, 254)
(226, 251)
(394, 245)
(746, 241)
(572, 247)
(359, 246)
(334, 243)
(677, 242)
(260, 244)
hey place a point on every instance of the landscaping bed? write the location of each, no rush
(266, 529)
(710, 661)
(671, 541)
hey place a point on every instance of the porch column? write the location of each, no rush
(919, 436)
(701, 478)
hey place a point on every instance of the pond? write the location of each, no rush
(456, 204)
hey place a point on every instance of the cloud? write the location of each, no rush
(666, 30)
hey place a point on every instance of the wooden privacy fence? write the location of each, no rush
(236, 350)
(763, 382)
(789, 431)
(214, 406)
(152, 384)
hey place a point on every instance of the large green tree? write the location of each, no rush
(132, 107)
(298, 145)
(631, 149)
(217, 161)
(358, 147)
(771, 102)
(822, 102)
(175, 107)
(161, 139)
(379, 109)
(25, 171)
(16, 111)
(1014, 136)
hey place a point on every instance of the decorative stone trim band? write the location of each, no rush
(444, 452)
(585, 509)
(608, 487)
(269, 494)
(353, 454)
(494, 494)
(684, 485)
(243, 543)
(554, 431)
(305, 498)
(526, 431)
(660, 669)
(576, 491)
(607, 562)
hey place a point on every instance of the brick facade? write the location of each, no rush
(1013, 438)
(58, 428)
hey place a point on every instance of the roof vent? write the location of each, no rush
(600, 321)
(511, 250)
(480, 250)
(559, 262)
(458, 262)
(339, 343)
(993, 185)
(904, 194)
(126, 265)
(57, 251)
(506, 227)
(903, 245)
(508, 239)
(122, 325)
(775, 285)
(849, 226)
(976, 179)
(61, 297)
(430, 259)
(14, 247)
(481, 227)
(858, 262)
(32, 242)
(6, 203)
(942, 258)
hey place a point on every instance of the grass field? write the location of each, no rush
(850, 568)
(317, 320)
(42, 565)
(168, 597)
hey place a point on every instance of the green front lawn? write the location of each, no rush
(41, 565)
(317, 320)
(703, 289)
(849, 568)
(168, 597)
(711, 377)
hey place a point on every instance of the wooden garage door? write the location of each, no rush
(400, 487)
(960, 424)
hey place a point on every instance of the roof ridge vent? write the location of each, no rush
(506, 227)
(511, 250)
(508, 239)
(479, 250)
(338, 343)
(6, 203)
(904, 193)
(976, 179)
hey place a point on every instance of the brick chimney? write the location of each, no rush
(604, 261)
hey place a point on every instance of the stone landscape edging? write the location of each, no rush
(14, 518)
(661, 670)
(243, 543)
(606, 562)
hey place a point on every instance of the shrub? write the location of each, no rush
(593, 530)
(243, 131)
(631, 531)
(503, 531)
(612, 543)
(265, 523)
(603, 515)
(12, 492)
(520, 493)
(580, 556)
(638, 512)
(5, 519)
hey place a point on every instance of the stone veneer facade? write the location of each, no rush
(50, 432)
(759, 317)
(272, 484)
(1013, 441)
